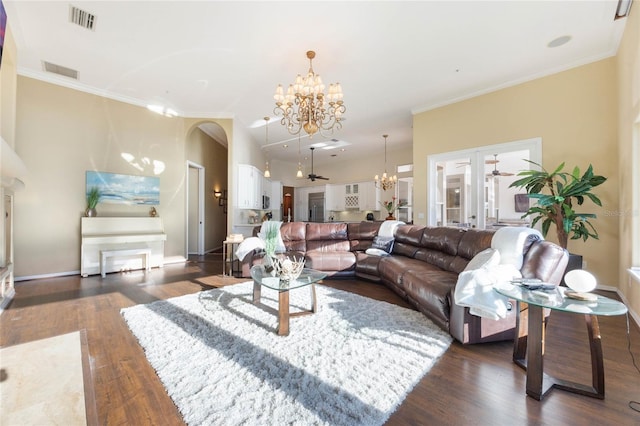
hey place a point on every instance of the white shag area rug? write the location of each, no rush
(222, 363)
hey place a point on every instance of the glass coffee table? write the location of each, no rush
(308, 278)
(528, 350)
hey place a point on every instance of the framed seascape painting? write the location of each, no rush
(125, 189)
(3, 28)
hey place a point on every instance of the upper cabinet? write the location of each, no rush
(369, 196)
(249, 187)
(352, 196)
(334, 197)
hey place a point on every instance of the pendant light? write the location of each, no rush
(299, 174)
(267, 173)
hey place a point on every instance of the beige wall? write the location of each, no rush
(62, 133)
(210, 154)
(628, 62)
(8, 85)
(575, 114)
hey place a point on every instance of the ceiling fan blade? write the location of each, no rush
(468, 163)
(313, 176)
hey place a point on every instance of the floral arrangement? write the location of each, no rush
(392, 206)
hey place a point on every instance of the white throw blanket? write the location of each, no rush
(474, 288)
(388, 228)
(253, 243)
(248, 245)
(510, 242)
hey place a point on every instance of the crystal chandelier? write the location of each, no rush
(267, 173)
(305, 106)
(385, 182)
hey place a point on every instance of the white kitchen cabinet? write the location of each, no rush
(352, 196)
(334, 197)
(249, 187)
(369, 198)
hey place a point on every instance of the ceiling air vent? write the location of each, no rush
(82, 18)
(60, 70)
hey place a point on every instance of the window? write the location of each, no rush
(405, 168)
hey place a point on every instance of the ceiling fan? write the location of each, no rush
(468, 163)
(495, 172)
(312, 176)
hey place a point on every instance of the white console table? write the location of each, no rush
(131, 243)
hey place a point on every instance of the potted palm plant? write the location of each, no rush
(558, 194)
(93, 198)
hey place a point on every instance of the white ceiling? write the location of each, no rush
(224, 59)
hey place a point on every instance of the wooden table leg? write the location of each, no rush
(520, 344)
(532, 344)
(535, 353)
(314, 303)
(597, 364)
(283, 313)
(256, 292)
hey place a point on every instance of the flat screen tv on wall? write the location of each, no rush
(3, 28)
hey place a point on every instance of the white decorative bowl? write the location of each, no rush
(580, 280)
(288, 269)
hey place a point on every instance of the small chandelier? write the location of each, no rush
(267, 173)
(386, 182)
(305, 106)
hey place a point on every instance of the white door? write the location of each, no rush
(195, 209)
(470, 188)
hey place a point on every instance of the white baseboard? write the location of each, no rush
(42, 276)
(167, 260)
(634, 315)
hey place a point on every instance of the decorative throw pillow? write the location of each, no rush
(486, 258)
(382, 243)
(376, 252)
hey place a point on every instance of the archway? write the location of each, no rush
(206, 152)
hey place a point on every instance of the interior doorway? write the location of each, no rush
(195, 209)
(206, 188)
(288, 203)
(470, 188)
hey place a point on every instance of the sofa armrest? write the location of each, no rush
(544, 260)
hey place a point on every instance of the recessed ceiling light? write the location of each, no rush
(559, 41)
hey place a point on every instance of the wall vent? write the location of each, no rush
(81, 17)
(60, 70)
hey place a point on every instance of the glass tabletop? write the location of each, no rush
(308, 276)
(557, 300)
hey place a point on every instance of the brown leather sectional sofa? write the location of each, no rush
(423, 267)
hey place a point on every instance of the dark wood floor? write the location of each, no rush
(471, 385)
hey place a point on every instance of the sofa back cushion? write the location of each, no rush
(327, 237)
(435, 257)
(442, 239)
(473, 241)
(361, 234)
(408, 239)
(294, 236)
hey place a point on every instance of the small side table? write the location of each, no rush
(228, 261)
(528, 349)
